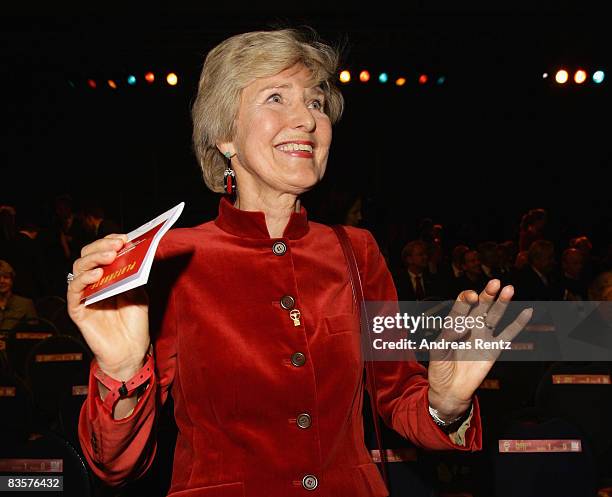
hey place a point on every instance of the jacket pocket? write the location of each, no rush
(342, 323)
(224, 490)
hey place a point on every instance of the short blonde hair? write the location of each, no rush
(234, 64)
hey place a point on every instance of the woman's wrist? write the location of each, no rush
(451, 426)
(447, 409)
(127, 371)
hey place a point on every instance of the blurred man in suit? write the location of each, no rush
(489, 261)
(13, 308)
(473, 278)
(537, 280)
(415, 282)
(573, 283)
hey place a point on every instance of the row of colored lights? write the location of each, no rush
(562, 76)
(345, 77)
(149, 77)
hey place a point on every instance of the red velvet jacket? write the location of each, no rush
(225, 347)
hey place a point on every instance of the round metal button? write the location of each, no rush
(287, 302)
(298, 359)
(279, 248)
(304, 420)
(310, 482)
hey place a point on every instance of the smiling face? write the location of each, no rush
(282, 136)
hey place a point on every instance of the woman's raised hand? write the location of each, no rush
(454, 375)
(117, 328)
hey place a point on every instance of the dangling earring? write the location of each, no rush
(229, 176)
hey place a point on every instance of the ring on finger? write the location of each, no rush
(69, 277)
(488, 326)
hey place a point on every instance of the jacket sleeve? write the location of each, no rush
(402, 386)
(118, 450)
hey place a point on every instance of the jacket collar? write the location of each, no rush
(251, 224)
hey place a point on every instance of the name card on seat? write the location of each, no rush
(581, 379)
(508, 446)
(59, 357)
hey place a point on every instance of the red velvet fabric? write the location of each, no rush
(223, 346)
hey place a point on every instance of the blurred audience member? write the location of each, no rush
(583, 244)
(450, 270)
(25, 255)
(572, 282)
(489, 260)
(435, 256)
(7, 226)
(457, 260)
(426, 230)
(95, 224)
(353, 216)
(472, 278)
(601, 291)
(532, 228)
(342, 207)
(59, 245)
(590, 263)
(537, 280)
(13, 308)
(438, 232)
(522, 260)
(506, 253)
(600, 288)
(436, 251)
(415, 282)
(596, 329)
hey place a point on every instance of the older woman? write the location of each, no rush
(252, 324)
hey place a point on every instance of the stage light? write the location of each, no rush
(383, 77)
(131, 79)
(150, 77)
(423, 79)
(400, 81)
(91, 83)
(441, 80)
(364, 76)
(545, 75)
(172, 79)
(598, 76)
(561, 76)
(580, 76)
(345, 76)
(112, 84)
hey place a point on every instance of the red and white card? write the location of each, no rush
(132, 266)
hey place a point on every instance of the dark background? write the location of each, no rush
(491, 142)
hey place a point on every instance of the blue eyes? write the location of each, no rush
(315, 104)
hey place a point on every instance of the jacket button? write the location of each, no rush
(304, 420)
(310, 482)
(279, 248)
(298, 359)
(287, 302)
